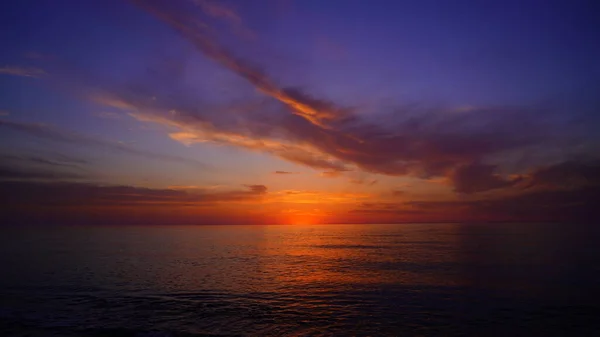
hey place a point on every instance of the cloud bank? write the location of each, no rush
(535, 158)
(468, 146)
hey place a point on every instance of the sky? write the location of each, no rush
(298, 112)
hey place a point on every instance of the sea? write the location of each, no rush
(490, 279)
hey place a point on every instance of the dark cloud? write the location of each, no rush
(567, 174)
(65, 194)
(475, 177)
(257, 189)
(71, 203)
(309, 159)
(28, 173)
(397, 213)
(542, 205)
(549, 205)
(49, 167)
(283, 172)
(55, 159)
(398, 193)
(64, 136)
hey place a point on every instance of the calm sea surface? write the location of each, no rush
(326, 280)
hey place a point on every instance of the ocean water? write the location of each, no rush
(324, 280)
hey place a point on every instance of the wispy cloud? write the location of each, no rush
(463, 145)
(568, 174)
(330, 174)
(68, 194)
(228, 14)
(475, 177)
(397, 193)
(46, 166)
(245, 133)
(13, 172)
(46, 159)
(316, 111)
(64, 136)
(37, 56)
(22, 71)
(363, 181)
(285, 172)
(426, 144)
(108, 115)
(316, 197)
(258, 189)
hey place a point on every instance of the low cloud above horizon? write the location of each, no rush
(206, 93)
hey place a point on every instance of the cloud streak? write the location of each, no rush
(461, 144)
(476, 177)
(11, 172)
(64, 194)
(59, 135)
(465, 147)
(540, 205)
(219, 10)
(424, 144)
(56, 159)
(75, 203)
(316, 111)
(22, 71)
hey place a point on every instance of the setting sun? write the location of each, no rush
(300, 219)
(299, 168)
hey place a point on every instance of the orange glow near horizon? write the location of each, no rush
(302, 220)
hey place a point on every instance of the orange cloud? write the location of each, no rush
(438, 144)
(364, 181)
(315, 197)
(198, 131)
(316, 111)
(330, 174)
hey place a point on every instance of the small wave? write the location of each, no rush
(16, 328)
(351, 246)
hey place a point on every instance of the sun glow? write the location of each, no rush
(300, 219)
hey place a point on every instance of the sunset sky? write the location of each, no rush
(298, 112)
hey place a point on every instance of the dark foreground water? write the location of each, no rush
(330, 280)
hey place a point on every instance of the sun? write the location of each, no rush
(298, 219)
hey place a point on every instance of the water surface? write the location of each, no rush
(326, 280)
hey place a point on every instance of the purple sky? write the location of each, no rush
(397, 102)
